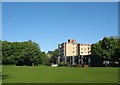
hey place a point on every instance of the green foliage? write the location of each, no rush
(96, 49)
(43, 59)
(22, 53)
(61, 64)
(54, 57)
(108, 48)
(56, 53)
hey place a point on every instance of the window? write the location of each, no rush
(81, 52)
(85, 49)
(81, 48)
(89, 52)
(88, 48)
(73, 51)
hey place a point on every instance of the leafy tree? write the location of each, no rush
(107, 49)
(96, 49)
(54, 57)
(56, 52)
(22, 53)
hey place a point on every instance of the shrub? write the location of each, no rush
(62, 64)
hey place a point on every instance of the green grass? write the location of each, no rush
(44, 74)
(0, 74)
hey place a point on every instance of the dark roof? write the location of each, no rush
(50, 52)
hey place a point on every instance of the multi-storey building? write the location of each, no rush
(84, 49)
(73, 53)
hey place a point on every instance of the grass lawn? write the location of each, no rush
(44, 74)
(0, 74)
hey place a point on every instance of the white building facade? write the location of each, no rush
(73, 53)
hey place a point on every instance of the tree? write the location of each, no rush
(96, 49)
(54, 57)
(43, 58)
(56, 52)
(22, 53)
(107, 49)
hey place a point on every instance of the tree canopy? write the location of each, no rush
(22, 53)
(54, 55)
(107, 49)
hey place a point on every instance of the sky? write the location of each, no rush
(52, 23)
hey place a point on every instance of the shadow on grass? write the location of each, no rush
(3, 76)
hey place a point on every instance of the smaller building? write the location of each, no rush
(49, 54)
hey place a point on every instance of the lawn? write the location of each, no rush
(44, 74)
(0, 74)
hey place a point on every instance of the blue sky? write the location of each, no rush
(49, 24)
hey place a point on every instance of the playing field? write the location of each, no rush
(44, 74)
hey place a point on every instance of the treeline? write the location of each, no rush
(107, 49)
(29, 53)
(22, 53)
